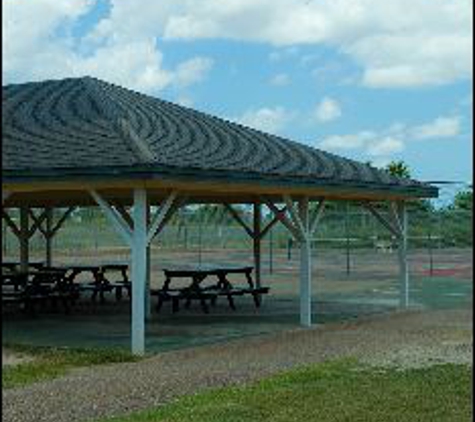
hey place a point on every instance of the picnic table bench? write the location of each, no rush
(195, 291)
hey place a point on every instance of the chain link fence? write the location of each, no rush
(354, 256)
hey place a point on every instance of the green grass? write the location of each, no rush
(48, 363)
(334, 391)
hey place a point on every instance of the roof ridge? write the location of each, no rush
(118, 117)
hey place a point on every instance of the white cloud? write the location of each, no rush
(185, 101)
(38, 45)
(382, 144)
(192, 71)
(441, 127)
(281, 79)
(402, 43)
(140, 67)
(32, 48)
(384, 147)
(329, 109)
(271, 120)
(398, 43)
(347, 142)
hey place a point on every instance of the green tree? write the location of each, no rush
(464, 199)
(398, 169)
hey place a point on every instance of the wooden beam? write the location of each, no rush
(238, 218)
(37, 222)
(114, 217)
(48, 236)
(381, 219)
(124, 214)
(10, 223)
(282, 217)
(257, 217)
(295, 215)
(396, 218)
(160, 215)
(24, 239)
(61, 221)
(178, 203)
(199, 188)
(266, 229)
(316, 216)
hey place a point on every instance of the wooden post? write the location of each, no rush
(305, 266)
(48, 235)
(257, 242)
(139, 270)
(402, 253)
(24, 238)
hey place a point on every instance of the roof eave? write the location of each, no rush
(205, 175)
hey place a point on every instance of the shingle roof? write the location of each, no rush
(87, 125)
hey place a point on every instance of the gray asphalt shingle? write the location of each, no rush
(87, 124)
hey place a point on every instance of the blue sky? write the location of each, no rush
(366, 79)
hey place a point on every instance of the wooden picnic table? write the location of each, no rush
(196, 291)
(36, 285)
(101, 281)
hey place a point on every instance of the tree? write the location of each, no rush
(398, 169)
(402, 170)
(464, 199)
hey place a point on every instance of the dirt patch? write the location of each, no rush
(422, 356)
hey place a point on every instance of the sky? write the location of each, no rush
(370, 80)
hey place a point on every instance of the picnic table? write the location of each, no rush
(197, 291)
(101, 278)
(41, 285)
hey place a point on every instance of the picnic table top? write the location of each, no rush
(208, 269)
(12, 263)
(94, 267)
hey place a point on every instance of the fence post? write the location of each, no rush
(347, 232)
(431, 258)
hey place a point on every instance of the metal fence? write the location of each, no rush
(194, 230)
(354, 255)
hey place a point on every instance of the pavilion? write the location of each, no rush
(84, 142)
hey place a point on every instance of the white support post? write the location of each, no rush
(402, 254)
(24, 238)
(305, 266)
(139, 269)
(257, 242)
(148, 296)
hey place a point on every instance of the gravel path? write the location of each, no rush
(403, 339)
(10, 357)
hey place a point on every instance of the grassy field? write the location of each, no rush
(333, 391)
(48, 363)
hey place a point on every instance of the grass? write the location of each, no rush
(48, 363)
(334, 391)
